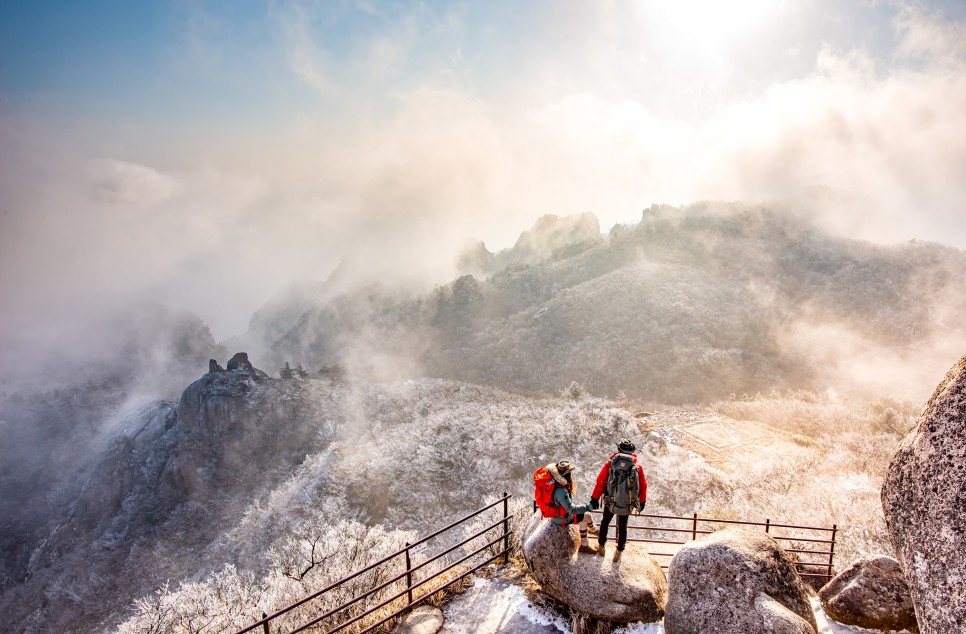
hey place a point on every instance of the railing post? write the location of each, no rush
(694, 528)
(506, 529)
(767, 525)
(265, 624)
(409, 577)
(831, 553)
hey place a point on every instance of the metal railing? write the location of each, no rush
(395, 604)
(811, 552)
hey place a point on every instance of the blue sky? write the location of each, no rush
(143, 141)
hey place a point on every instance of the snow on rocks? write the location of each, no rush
(494, 607)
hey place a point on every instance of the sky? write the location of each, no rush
(206, 154)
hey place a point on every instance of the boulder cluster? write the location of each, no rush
(737, 581)
(732, 581)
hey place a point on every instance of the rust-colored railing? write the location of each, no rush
(814, 551)
(409, 575)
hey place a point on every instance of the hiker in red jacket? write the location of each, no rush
(623, 487)
(553, 488)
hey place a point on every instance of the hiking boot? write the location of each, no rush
(586, 548)
(617, 555)
(601, 550)
(593, 530)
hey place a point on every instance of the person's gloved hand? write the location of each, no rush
(594, 503)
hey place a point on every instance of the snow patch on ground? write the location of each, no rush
(641, 628)
(492, 607)
(495, 607)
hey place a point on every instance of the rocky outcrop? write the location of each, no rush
(736, 582)
(924, 497)
(214, 367)
(633, 590)
(170, 475)
(872, 593)
(239, 361)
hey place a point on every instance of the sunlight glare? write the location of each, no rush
(707, 29)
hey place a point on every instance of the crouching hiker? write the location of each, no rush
(553, 488)
(622, 485)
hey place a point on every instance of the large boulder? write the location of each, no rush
(924, 500)
(633, 590)
(736, 581)
(425, 619)
(872, 593)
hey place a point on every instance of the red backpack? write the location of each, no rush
(543, 486)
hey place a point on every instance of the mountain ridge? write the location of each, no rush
(740, 283)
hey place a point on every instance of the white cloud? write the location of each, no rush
(438, 150)
(123, 183)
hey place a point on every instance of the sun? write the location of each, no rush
(696, 29)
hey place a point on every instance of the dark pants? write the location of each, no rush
(621, 528)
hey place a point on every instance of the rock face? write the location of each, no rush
(872, 594)
(168, 469)
(633, 590)
(736, 582)
(924, 499)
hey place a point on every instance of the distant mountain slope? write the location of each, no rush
(56, 417)
(240, 468)
(690, 304)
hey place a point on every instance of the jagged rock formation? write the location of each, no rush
(239, 361)
(633, 590)
(691, 304)
(924, 499)
(58, 415)
(214, 367)
(170, 473)
(736, 582)
(872, 593)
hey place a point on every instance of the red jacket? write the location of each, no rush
(601, 486)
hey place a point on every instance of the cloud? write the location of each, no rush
(124, 183)
(421, 138)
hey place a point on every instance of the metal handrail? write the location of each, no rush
(346, 624)
(695, 520)
(504, 536)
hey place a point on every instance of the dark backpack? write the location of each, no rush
(623, 485)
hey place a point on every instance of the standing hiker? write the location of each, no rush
(553, 491)
(623, 486)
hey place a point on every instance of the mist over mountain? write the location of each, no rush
(58, 413)
(691, 304)
(116, 479)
